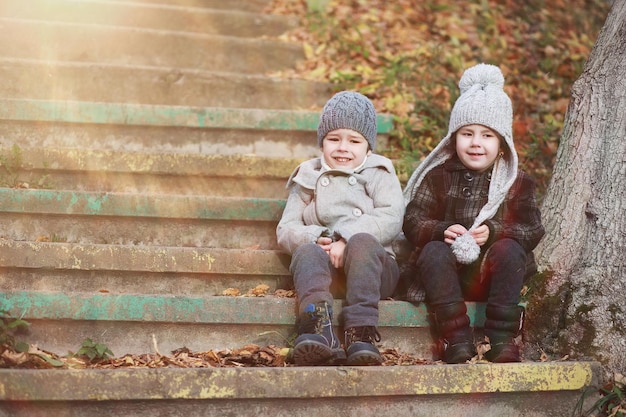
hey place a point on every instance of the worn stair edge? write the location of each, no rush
(93, 160)
(37, 39)
(35, 305)
(161, 115)
(104, 82)
(255, 6)
(82, 203)
(149, 15)
(149, 172)
(293, 382)
(157, 259)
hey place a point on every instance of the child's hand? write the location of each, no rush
(336, 253)
(325, 243)
(452, 232)
(481, 234)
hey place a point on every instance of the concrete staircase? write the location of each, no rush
(144, 153)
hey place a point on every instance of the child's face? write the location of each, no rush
(477, 147)
(344, 149)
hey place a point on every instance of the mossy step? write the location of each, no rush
(60, 321)
(140, 219)
(77, 203)
(164, 129)
(152, 15)
(164, 115)
(262, 309)
(523, 389)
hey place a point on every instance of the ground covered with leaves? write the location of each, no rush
(246, 356)
(408, 56)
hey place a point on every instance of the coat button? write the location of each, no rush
(468, 176)
(351, 180)
(467, 192)
(325, 181)
(357, 212)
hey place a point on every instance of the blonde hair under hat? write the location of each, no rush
(484, 102)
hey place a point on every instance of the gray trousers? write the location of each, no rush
(369, 275)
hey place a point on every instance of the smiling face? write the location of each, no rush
(477, 147)
(344, 149)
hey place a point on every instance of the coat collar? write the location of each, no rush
(307, 173)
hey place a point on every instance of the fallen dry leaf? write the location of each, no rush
(285, 293)
(231, 292)
(259, 291)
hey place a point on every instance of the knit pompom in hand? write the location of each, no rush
(465, 249)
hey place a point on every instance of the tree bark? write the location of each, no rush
(584, 211)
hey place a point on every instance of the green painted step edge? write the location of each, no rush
(293, 382)
(179, 309)
(160, 115)
(139, 205)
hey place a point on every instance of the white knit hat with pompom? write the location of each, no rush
(484, 102)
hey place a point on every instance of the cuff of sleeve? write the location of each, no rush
(439, 229)
(494, 231)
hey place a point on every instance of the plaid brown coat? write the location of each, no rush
(452, 194)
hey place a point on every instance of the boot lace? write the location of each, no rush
(312, 321)
(368, 334)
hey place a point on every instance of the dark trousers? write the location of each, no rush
(369, 275)
(496, 277)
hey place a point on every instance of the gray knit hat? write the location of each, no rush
(482, 101)
(348, 110)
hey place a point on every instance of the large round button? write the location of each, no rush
(468, 176)
(357, 212)
(351, 180)
(325, 181)
(467, 192)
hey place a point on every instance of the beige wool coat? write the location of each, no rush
(340, 204)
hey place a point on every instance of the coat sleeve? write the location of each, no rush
(424, 217)
(521, 219)
(385, 220)
(291, 231)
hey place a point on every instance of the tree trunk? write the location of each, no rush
(584, 211)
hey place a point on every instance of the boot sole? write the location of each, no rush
(365, 359)
(310, 352)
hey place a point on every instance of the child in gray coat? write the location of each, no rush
(343, 212)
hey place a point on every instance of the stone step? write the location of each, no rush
(80, 81)
(254, 6)
(62, 319)
(152, 15)
(87, 170)
(58, 266)
(160, 128)
(522, 390)
(84, 43)
(140, 219)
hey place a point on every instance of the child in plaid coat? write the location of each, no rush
(474, 221)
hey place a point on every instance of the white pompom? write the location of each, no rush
(465, 249)
(483, 74)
